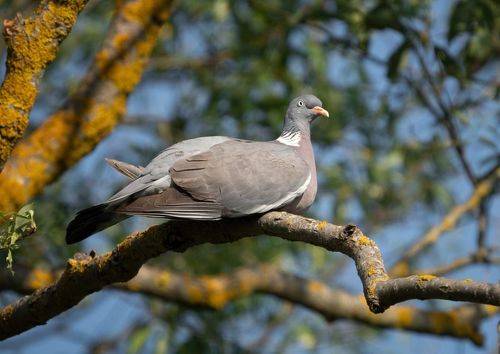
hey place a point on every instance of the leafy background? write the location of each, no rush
(386, 161)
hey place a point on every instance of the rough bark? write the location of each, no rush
(216, 291)
(32, 44)
(93, 111)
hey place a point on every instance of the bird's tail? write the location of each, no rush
(91, 220)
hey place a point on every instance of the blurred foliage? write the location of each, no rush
(230, 67)
(13, 228)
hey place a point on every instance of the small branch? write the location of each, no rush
(426, 287)
(215, 292)
(179, 63)
(87, 275)
(32, 44)
(492, 171)
(457, 144)
(93, 111)
(481, 191)
(482, 223)
(445, 116)
(274, 323)
(480, 256)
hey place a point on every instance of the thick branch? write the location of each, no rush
(93, 111)
(214, 292)
(88, 275)
(32, 44)
(481, 191)
(424, 287)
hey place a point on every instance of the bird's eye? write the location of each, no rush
(300, 103)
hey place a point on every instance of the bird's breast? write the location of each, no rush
(304, 201)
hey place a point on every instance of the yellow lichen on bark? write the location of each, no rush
(490, 310)
(32, 44)
(163, 279)
(140, 11)
(365, 241)
(405, 316)
(218, 293)
(92, 113)
(371, 271)
(444, 322)
(194, 292)
(426, 277)
(322, 225)
(400, 269)
(39, 278)
(315, 287)
(77, 265)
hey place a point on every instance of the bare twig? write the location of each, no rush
(481, 191)
(480, 256)
(445, 117)
(482, 223)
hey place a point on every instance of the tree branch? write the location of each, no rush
(87, 275)
(482, 223)
(215, 292)
(445, 117)
(481, 255)
(425, 287)
(93, 111)
(481, 191)
(32, 44)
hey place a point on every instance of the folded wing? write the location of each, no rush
(231, 179)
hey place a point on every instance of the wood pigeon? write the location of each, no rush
(211, 178)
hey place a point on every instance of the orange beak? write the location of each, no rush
(321, 111)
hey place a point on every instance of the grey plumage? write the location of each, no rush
(155, 177)
(210, 178)
(125, 168)
(243, 177)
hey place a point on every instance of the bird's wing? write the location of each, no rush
(129, 170)
(243, 177)
(171, 203)
(155, 176)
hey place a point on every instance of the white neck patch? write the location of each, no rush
(290, 138)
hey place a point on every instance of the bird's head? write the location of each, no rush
(302, 111)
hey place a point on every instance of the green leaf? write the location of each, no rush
(9, 260)
(24, 222)
(162, 345)
(14, 237)
(139, 338)
(14, 228)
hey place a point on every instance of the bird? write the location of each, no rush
(216, 177)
